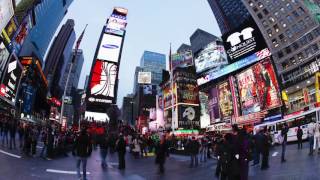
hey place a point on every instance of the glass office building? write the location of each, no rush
(153, 62)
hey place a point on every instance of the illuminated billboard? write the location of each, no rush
(110, 47)
(267, 85)
(94, 116)
(213, 56)
(102, 83)
(117, 22)
(184, 59)
(144, 78)
(11, 80)
(4, 55)
(243, 41)
(248, 92)
(214, 105)
(10, 29)
(225, 101)
(204, 110)
(6, 12)
(189, 117)
(314, 8)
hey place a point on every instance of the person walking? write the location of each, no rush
(257, 144)
(82, 149)
(225, 154)
(21, 133)
(161, 154)
(311, 137)
(299, 137)
(204, 150)
(284, 134)
(44, 139)
(136, 148)
(121, 148)
(316, 143)
(265, 149)
(244, 154)
(104, 145)
(13, 130)
(5, 135)
(194, 151)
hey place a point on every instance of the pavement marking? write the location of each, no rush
(274, 154)
(62, 172)
(10, 154)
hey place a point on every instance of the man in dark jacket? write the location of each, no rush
(299, 137)
(284, 134)
(121, 148)
(161, 154)
(82, 149)
(265, 148)
(104, 145)
(194, 150)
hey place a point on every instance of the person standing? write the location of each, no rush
(257, 143)
(265, 149)
(284, 134)
(13, 130)
(194, 150)
(244, 154)
(316, 143)
(204, 150)
(311, 137)
(44, 139)
(104, 144)
(299, 137)
(82, 149)
(121, 148)
(21, 133)
(161, 154)
(5, 132)
(225, 154)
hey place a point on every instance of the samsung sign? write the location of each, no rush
(212, 75)
(243, 41)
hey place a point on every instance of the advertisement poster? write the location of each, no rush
(187, 86)
(188, 117)
(248, 92)
(6, 12)
(22, 33)
(29, 95)
(204, 110)
(184, 59)
(109, 49)
(10, 29)
(212, 57)
(225, 101)
(4, 55)
(11, 79)
(243, 41)
(213, 105)
(267, 85)
(314, 8)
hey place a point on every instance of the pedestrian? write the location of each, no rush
(21, 132)
(121, 148)
(44, 139)
(34, 140)
(311, 137)
(161, 154)
(104, 145)
(244, 154)
(82, 149)
(316, 144)
(299, 137)
(13, 130)
(194, 151)
(5, 135)
(257, 143)
(204, 150)
(225, 155)
(136, 148)
(284, 134)
(265, 149)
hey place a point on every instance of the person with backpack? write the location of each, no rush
(299, 137)
(82, 149)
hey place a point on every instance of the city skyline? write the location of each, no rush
(133, 45)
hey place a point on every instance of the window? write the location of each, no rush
(289, 33)
(251, 3)
(295, 14)
(275, 42)
(295, 29)
(260, 5)
(283, 11)
(300, 11)
(289, 7)
(309, 51)
(302, 25)
(255, 9)
(265, 11)
(317, 31)
(309, 20)
(280, 54)
(259, 15)
(283, 24)
(288, 50)
(300, 56)
(292, 60)
(290, 19)
(282, 38)
(277, 14)
(271, 19)
(276, 27)
(295, 46)
(303, 41)
(309, 37)
(315, 48)
(265, 23)
(269, 32)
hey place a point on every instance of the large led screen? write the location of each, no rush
(109, 49)
(214, 105)
(248, 92)
(6, 12)
(267, 85)
(184, 59)
(212, 57)
(11, 79)
(189, 117)
(4, 55)
(103, 79)
(22, 33)
(117, 22)
(225, 101)
(204, 110)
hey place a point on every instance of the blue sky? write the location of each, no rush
(152, 25)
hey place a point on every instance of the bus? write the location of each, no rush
(303, 119)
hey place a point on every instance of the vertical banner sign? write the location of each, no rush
(204, 110)
(235, 97)
(306, 96)
(6, 12)
(214, 106)
(317, 84)
(225, 101)
(189, 117)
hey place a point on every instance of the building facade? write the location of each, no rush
(292, 32)
(48, 16)
(229, 14)
(153, 62)
(127, 109)
(199, 39)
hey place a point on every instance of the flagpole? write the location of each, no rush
(69, 72)
(172, 93)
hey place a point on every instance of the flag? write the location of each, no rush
(80, 38)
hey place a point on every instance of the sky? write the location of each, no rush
(152, 25)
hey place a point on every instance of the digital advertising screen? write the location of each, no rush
(184, 59)
(144, 77)
(103, 81)
(204, 109)
(6, 12)
(95, 116)
(10, 29)
(28, 100)
(109, 49)
(267, 85)
(117, 22)
(243, 41)
(189, 117)
(214, 105)
(11, 79)
(248, 92)
(213, 56)
(225, 101)
(4, 56)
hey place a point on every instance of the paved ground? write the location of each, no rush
(299, 166)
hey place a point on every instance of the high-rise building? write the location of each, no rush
(127, 109)
(58, 58)
(135, 81)
(184, 47)
(199, 39)
(153, 62)
(229, 13)
(48, 16)
(292, 32)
